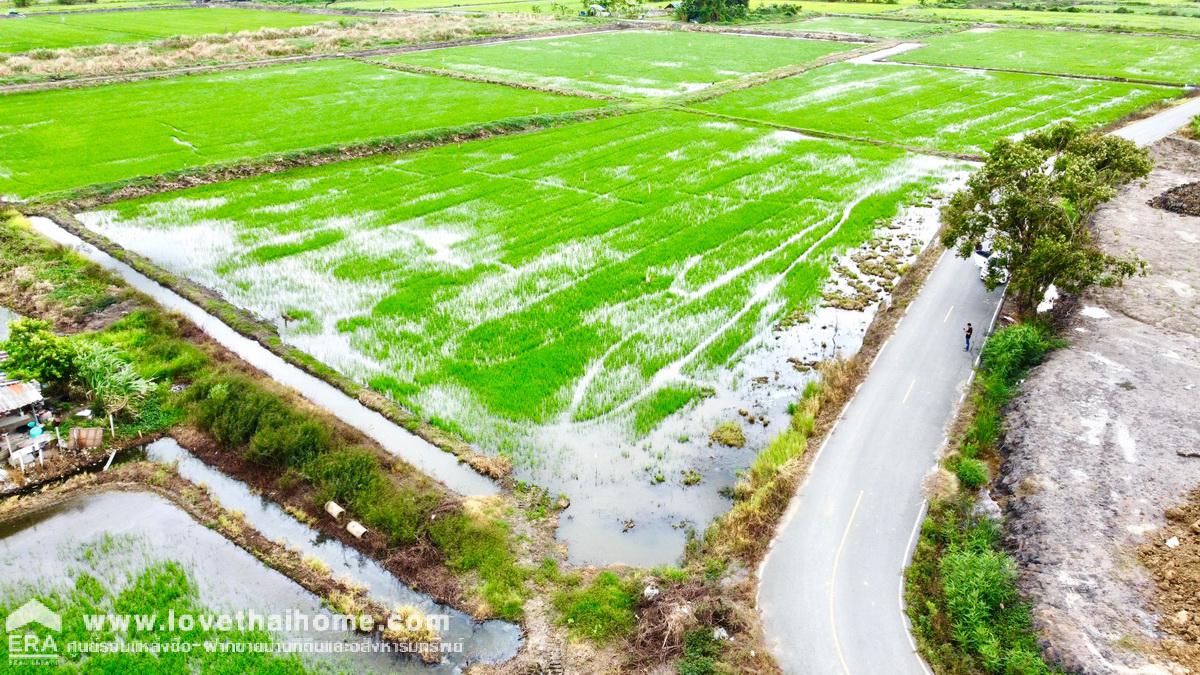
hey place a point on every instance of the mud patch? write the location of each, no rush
(1173, 557)
(1184, 199)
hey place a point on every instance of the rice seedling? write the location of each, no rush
(156, 126)
(606, 270)
(936, 108)
(627, 63)
(1137, 57)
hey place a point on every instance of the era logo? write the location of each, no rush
(26, 646)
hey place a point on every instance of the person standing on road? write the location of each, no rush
(967, 333)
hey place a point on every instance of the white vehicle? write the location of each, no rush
(983, 259)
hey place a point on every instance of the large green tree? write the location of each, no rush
(1031, 205)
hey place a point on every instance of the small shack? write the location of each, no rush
(21, 435)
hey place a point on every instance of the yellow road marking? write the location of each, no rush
(837, 559)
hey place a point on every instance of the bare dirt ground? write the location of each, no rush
(1105, 437)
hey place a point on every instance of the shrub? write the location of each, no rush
(1012, 351)
(232, 408)
(972, 473)
(978, 583)
(345, 476)
(36, 353)
(700, 652)
(288, 440)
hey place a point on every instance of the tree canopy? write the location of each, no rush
(712, 11)
(1031, 205)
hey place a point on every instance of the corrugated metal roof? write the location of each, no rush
(18, 395)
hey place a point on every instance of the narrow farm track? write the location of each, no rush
(831, 585)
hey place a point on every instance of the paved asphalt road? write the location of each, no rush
(830, 587)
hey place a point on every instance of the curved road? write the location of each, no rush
(830, 589)
(830, 585)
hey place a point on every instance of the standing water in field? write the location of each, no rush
(483, 642)
(610, 294)
(424, 456)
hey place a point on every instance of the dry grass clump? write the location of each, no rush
(409, 625)
(325, 38)
(728, 434)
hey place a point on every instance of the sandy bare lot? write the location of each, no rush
(1105, 435)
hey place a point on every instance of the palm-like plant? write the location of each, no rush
(111, 381)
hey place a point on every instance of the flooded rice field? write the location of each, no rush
(634, 501)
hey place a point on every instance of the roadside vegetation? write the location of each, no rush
(961, 587)
(1031, 206)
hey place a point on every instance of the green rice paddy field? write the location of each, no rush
(57, 31)
(934, 108)
(607, 268)
(1158, 59)
(1132, 21)
(156, 126)
(627, 63)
